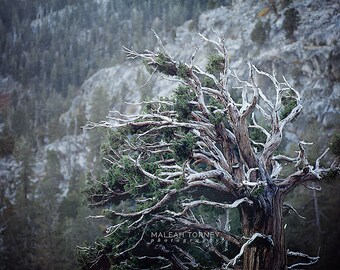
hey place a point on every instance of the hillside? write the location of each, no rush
(62, 64)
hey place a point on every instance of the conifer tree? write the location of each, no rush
(183, 161)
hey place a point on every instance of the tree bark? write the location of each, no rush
(264, 217)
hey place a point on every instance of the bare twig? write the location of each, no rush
(312, 260)
(254, 236)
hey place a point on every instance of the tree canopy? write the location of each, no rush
(177, 171)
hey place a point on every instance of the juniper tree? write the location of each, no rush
(183, 163)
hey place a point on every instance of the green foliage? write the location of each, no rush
(257, 135)
(183, 71)
(260, 32)
(6, 145)
(288, 105)
(52, 62)
(115, 139)
(291, 22)
(100, 104)
(208, 82)
(151, 167)
(179, 183)
(165, 65)
(258, 191)
(215, 104)
(304, 234)
(217, 114)
(73, 59)
(331, 176)
(334, 145)
(20, 220)
(113, 175)
(183, 147)
(215, 64)
(208, 212)
(182, 97)
(212, 4)
(40, 231)
(69, 206)
(144, 205)
(85, 257)
(53, 166)
(148, 67)
(217, 117)
(23, 153)
(153, 107)
(131, 173)
(21, 119)
(167, 134)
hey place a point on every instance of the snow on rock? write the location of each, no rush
(310, 63)
(9, 171)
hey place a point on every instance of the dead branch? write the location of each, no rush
(312, 260)
(247, 243)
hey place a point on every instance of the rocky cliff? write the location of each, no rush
(299, 39)
(308, 58)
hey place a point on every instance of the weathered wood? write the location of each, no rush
(223, 159)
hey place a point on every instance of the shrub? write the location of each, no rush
(215, 63)
(334, 145)
(260, 32)
(183, 95)
(6, 145)
(288, 105)
(291, 22)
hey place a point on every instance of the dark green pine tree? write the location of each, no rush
(175, 174)
(18, 218)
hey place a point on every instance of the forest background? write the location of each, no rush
(59, 67)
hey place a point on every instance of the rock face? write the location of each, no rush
(309, 59)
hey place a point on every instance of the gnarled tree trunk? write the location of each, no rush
(211, 147)
(264, 217)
